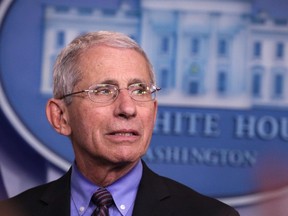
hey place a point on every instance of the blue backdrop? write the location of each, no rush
(222, 126)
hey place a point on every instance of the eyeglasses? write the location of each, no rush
(103, 93)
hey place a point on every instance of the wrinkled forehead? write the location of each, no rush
(138, 50)
(102, 63)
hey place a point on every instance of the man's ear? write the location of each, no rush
(56, 112)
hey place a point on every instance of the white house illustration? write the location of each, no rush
(207, 53)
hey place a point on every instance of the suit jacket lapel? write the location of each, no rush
(150, 194)
(56, 199)
(150, 199)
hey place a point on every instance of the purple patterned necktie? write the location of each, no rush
(103, 200)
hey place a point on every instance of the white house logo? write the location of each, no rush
(223, 71)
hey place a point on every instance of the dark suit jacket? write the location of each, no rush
(157, 196)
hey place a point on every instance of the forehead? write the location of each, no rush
(101, 63)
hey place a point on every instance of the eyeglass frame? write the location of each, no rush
(117, 91)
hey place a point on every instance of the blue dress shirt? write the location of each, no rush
(123, 191)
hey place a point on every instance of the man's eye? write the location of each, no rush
(102, 91)
(140, 91)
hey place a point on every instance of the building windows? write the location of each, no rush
(279, 51)
(62, 9)
(193, 87)
(222, 48)
(108, 12)
(278, 82)
(195, 46)
(60, 39)
(222, 82)
(85, 11)
(133, 13)
(257, 49)
(278, 85)
(164, 44)
(193, 79)
(256, 84)
(280, 22)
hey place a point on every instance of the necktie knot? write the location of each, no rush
(103, 199)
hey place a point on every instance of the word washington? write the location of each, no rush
(201, 156)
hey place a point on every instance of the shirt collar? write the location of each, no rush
(81, 189)
(123, 191)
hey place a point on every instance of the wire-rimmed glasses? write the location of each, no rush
(103, 93)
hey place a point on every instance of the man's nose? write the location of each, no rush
(125, 105)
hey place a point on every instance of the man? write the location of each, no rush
(105, 102)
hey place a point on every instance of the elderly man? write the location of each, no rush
(105, 102)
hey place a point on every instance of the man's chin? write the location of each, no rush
(125, 161)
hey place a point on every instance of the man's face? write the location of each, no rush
(119, 132)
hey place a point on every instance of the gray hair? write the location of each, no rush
(67, 73)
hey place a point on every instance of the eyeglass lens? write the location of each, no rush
(107, 92)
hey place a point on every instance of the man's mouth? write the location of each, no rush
(124, 134)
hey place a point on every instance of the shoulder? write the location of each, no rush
(179, 197)
(23, 203)
(189, 196)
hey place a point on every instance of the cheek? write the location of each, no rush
(83, 122)
(148, 121)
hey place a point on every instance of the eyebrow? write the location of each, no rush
(115, 82)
